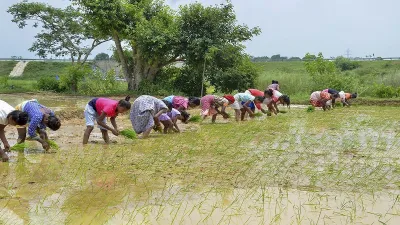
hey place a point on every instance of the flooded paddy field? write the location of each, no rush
(335, 167)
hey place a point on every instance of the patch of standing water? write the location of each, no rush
(266, 205)
(54, 102)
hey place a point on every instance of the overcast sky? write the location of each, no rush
(289, 27)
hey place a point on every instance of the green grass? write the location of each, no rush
(295, 82)
(6, 67)
(35, 70)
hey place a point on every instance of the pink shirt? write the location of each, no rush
(108, 106)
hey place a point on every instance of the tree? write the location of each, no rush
(64, 31)
(309, 57)
(324, 74)
(102, 56)
(295, 59)
(260, 59)
(344, 64)
(276, 57)
(155, 36)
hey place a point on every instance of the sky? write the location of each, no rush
(289, 27)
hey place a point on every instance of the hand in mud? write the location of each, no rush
(46, 146)
(4, 157)
(159, 128)
(115, 132)
(7, 147)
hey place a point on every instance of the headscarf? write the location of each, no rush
(230, 98)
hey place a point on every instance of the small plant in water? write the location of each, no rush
(196, 118)
(310, 108)
(128, 133)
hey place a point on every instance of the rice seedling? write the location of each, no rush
(53, 144)
(312, 169)
(128, 133)
(310, 108)
(195, 119)
(19, 147)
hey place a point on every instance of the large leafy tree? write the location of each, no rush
(148, 35)
(65, 32)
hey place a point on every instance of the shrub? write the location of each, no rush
(73, 75)
(383, 91)
(49, 84)
(189, 81)
(346, 64)
(147, 87)
(96, 83)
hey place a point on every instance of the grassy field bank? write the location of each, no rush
(292, 76)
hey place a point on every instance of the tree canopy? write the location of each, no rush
(149, 35)
(102, 56)
(65, 32)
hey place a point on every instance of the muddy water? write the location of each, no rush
(61, 188)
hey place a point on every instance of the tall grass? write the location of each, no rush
(35, 70)
(6, 67)
(295, 81)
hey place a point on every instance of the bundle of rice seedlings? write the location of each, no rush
(19, 147)
(269, 113)
(53, 144)
(196, 118)
(128, 133)
(310, 109)
(282, 111)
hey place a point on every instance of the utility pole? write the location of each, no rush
(348, 53)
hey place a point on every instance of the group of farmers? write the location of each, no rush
(148, 113)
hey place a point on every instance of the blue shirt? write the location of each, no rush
(35, 114)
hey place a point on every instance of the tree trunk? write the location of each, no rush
(123, 61)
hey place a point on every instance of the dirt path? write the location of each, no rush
(19, 69)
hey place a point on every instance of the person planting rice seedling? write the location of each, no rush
(210, 106)
(320, 99)
(170, 119)
(274, 85)
(272, 97)
(145, 114)
(9, 116)
(98, 110)
(345, 97)
(39, 117)
(181, 103)
(258, 105)
(335, 95)
(242, 104)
